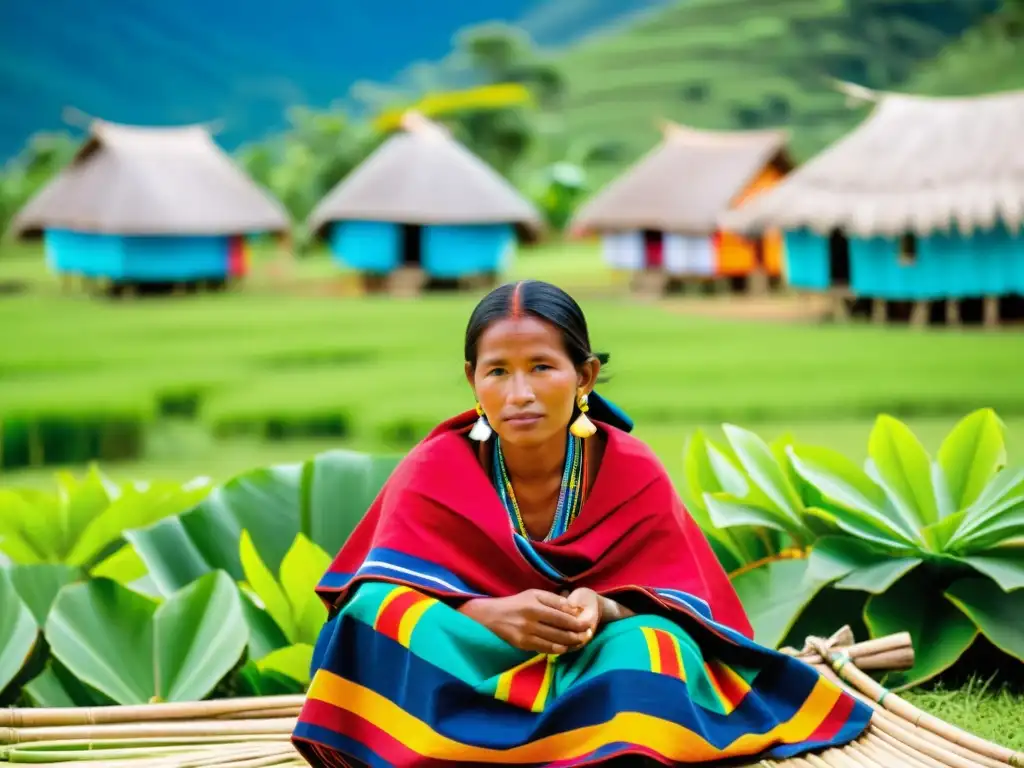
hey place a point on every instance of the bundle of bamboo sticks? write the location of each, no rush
(255, 732)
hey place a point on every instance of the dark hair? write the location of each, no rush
(550, 303)
(540, 299)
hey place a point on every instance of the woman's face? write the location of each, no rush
(525, 380)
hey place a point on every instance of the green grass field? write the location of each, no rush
(304, 361)
(289, 350)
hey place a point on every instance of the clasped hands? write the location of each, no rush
(540, 621)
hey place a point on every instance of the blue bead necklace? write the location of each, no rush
(570, 495)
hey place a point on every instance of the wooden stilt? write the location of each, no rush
(757, 283)
(879, 311)
(838, 308)
(991, 311)
(953, 313)
(919, 314)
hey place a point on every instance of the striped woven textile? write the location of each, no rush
(402, 679)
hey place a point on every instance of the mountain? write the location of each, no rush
(157, 62)
(988, 57)
(732, 64)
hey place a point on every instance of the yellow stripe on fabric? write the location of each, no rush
(652, 648)
(545, 686)
(719, 673)
(678, 650)
(387, 601)
(411, 617)
(668, 739)
(505, 679)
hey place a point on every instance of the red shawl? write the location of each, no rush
(440, 511)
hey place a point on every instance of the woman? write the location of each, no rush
(527, 589)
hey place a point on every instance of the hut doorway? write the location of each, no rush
(654, 249)
(412, 245)
(838, 259)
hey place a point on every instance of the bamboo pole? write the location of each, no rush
(249, 707)
(256, 732)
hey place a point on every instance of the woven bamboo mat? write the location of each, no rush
(255, 732)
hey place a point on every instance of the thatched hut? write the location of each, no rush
(143, 205)
(659, 219)
(922, 203)
(423, 207)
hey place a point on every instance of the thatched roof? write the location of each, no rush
(684, 183)
(916, 164)
(144, 180)
(421, 175)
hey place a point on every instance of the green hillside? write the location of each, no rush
(744, 64)
(988, 57)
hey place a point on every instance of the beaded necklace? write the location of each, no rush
(570, 495)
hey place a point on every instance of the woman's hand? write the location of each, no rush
(533, 620)
(587, 605)
(595, 609)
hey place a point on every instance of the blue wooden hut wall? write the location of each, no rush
(987, 263)
(366, 246)
(138, 258)
(447, 251)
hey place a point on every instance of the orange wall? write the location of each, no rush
(736, 254)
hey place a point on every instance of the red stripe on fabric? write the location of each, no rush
(835, 720)
(667, 652)
(349, 724)
(732, 686)
(391, 617)
(526, 684)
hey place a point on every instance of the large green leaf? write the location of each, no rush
(302, 568)
(999, 530)
(41, 527)
(38, 585)
(1001, 498)
(294, 662)
(30, 526)
(135, 650)
(698, 474)
(901, 465)
(999, 615)
(876, 579)
(762, 467)
(860, 505)
(325, 496)
(18, 631)
(253, 681)
(728, 511)
(261, 581)
(56, 687)
(124, 566)
(80, 502)
(774, 596)
(734, 547)
(971, 455)
(728, 472)
(337, 488)
(264, 634)
(939, 631)
(1005, 568)
(290, 600)
(136, 506)
(858, 565)
(83, 522)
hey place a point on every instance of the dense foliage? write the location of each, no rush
(134, 593)
(907, 542)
